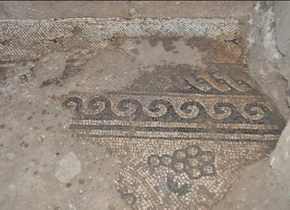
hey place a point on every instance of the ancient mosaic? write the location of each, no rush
(183, 148)
(179, 148)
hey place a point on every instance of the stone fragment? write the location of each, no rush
(68, 167)
(11, 156)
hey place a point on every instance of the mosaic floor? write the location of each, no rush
(179, 148)
(183, 148)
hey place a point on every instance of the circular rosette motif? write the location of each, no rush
(192, 161)
(208, 170)
(166, 160)
(179, 161)
(194, 172)
(154, 161)
(192, 152)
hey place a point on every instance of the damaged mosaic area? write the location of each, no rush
(22, 42)
(181, 147)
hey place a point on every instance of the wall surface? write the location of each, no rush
(282, 19)
(125, 9)
(266, 184)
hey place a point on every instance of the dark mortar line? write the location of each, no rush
(180, 138)
(174, 129)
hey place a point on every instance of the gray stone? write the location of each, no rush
(282, 19)
(11, 156)
(50, 66)
(68, 168)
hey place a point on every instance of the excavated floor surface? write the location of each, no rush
(170, 97)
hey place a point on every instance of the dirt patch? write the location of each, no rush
(151, 51)
(214, 50)
(167, 43)
(34, 137)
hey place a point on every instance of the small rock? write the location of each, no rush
(81, 181)
(50, 66)
(68, 168)
(12, 187)
(23, 144)
(71, 205)
(40, 138)
(133, 12)
(107, 155)
(11, 156)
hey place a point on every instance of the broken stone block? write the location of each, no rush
(68, 167)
